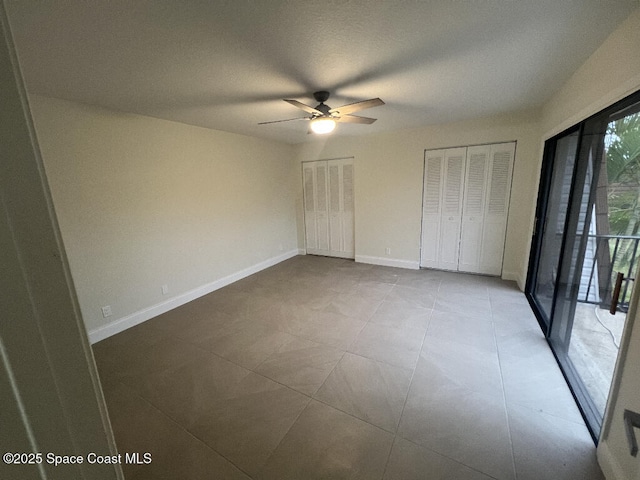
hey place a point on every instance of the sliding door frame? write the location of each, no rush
(591, 132)
(548, 163)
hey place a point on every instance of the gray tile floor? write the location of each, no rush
(323, 368)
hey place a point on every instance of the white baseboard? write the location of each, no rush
(609, 465)
(148, 313)
(514, 277)
(388, 262)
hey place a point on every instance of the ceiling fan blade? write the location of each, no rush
(355, 107)
(355, 119)
(304, 107)
(287, 120)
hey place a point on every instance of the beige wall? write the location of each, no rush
(610, 74)
(144, 202)
(388, 184)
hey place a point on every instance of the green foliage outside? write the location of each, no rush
(623, 171)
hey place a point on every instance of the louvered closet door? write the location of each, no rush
(497, 207)
(343, 244)
(328, 197)
(471, 237)
(431, 208)
(316, 215)
(465, 206)
(309, 182)
(336, 239)
(442, 208)
(322, 207)
(451, 218)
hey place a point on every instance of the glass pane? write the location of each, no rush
(578, 237)
(577, 241)
(611, 247)
(553, 230)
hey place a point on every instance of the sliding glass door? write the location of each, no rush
(588, 230)
(560, 156)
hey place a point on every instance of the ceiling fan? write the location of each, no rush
(323, 118)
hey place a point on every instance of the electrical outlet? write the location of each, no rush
(387, 251)
(106, 311)
(165, 289)
(281, 248)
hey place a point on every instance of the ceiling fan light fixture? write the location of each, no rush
(322, 125)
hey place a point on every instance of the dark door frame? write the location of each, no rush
(550, 147)
(593, 128)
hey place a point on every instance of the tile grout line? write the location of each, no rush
(266, 462)
(443, 455)
(182, 427)
(504, 394)
(406, 399)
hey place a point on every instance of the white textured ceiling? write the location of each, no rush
(227, 64)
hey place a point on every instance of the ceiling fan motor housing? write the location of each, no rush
(321, 96)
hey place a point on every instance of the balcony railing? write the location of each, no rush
(608, 255)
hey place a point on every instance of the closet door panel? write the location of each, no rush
(497, 208)
(449, 243)
(493, 247)
(471, 245)
(451, 220)
(349, 237)
(311, 235)
(322, 215)
(336, 237)
(431, 208)
(348, 219)
(471, 238)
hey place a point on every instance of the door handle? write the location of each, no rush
(631, 420)
(616, 293)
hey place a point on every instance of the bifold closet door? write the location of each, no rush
(465, 206)
(329, 213)
(486, 201)
(473, 208)
(316, 219)
(442, 208)
(497, 207)
(341, 220)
